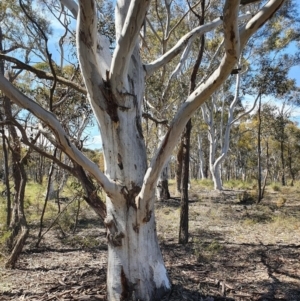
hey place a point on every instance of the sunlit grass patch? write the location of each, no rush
(206, 251)
(275, 187)
(239, 184)
(167, 221)
(204, 183)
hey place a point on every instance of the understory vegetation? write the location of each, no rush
(237, 249)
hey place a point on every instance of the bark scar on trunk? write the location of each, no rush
(136, 227)
(114, 237)
(130, 195)
(125, 286)
(120, 163)
(147, 218)
(111, 104)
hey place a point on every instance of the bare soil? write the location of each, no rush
(237, 251)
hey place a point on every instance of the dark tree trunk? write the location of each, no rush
(6, 178)
(282, 163)
(259, 197)
(267, 172)
(18, 225)
(46, 200)
(184, 203)
(91, 197)
(179, 168)
(5, 152)
(290, 164)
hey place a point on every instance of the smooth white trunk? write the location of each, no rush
(216, 176)
(135, 264)
(115, 88)
(201, 159)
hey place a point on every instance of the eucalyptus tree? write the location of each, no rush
(293, 150)
(29, 41)
(115, 88)
(17, 227)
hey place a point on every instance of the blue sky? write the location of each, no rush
(95, 141)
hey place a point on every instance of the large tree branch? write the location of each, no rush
(72, 7)
(247, 112)
(42, 74)
(33, 146)
(182, 43)
(126, 42)
(12, 48)
(63, 142)
(93, 57)
(245, 2)
(87, 32)
(205, 90)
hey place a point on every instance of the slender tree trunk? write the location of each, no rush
(18, 225)
(282, 163)
(259, 197)
(201, 159)
(6, 178)
(267, 172)
(5, 152)
(216, 176)
(290, 164)
(90, 189)
(179, 168)
(46, 200)
(184, 203)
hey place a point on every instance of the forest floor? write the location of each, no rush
(237, 251)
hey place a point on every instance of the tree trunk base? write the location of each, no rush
(18, 247)
(136, 270)
(163, 190)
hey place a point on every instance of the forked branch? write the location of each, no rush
(63, 142)
(203, 92)
(127, 41)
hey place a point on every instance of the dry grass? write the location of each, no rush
(236, 248)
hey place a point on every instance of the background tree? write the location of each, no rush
(115, 88)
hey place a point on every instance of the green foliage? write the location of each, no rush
(85, 242)
(206, 251)
(4, 235)
(204, 183)
(247, 197)
(275, 187)
(67, 219)
(239, 184)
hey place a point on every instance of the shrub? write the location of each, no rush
(280, 202)
(275, 187)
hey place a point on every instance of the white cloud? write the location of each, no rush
(94, 142)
